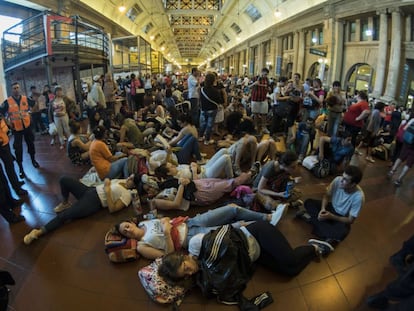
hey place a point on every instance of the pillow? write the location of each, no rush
(155, 286)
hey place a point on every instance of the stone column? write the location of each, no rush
(395, 56)
(301, 53)
(408, 22)
(382, 54)
(295, 51)
(278, 56)
(337, 52)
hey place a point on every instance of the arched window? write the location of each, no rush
(360, 77)
(314, 71)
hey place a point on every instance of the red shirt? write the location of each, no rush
(354, 111)
(259, 92)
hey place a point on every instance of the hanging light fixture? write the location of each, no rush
(238, 19)
(277, 12)
(122, 7)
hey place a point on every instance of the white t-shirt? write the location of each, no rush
(344, 203)
(118, 192)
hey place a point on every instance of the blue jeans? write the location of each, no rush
(189, 147)
(310, 113)
(218, 164)
(302, 144)
(206, 222)
(88, 202)
(119, 168)
(207, 118)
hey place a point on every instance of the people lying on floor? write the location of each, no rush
(78, 144)
(398, 295)
(222, 260)
(218, 166)
(178, 194)
(305, 136)
(106, 164)
(112, 194)
(337, 149)
(7, 202)
(158, 237)
(332, 217)
(275, 184)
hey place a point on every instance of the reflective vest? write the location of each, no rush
(18, 115)
(4, 138)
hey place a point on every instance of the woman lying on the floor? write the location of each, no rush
(177, 194)
(112, 194)
(223, 258)
(158, 237)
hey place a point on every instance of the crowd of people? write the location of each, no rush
(262, 129)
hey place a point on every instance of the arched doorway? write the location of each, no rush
(314, 71)
(360, 77)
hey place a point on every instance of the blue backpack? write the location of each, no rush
(408, 136)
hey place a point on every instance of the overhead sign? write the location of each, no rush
(317, 52)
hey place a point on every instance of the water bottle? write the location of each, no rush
(136, 202)
(289, 187)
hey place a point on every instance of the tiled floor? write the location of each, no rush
(68, 269)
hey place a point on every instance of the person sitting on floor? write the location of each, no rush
(112, 194)
(271, 182)
(78, 144)
(337, 149)
(158, 237)
(332, 221)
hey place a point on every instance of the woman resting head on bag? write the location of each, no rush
(220, 263)
(158, 237)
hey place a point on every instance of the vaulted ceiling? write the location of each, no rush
(192, 31)
(196, 30)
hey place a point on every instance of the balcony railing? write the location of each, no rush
(49, 34)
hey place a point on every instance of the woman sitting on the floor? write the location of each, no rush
(78, 144)
(106, 164)
(158, 237)
(112, 194)
(177, 194)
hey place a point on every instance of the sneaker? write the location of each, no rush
(62, 206)
(300, 159)
(323, 248)
(370, 159)
(278, 213)
(33, 235)
(397, 183)
(304, 215)
(230, 301)
(52, 142)
(357, 152)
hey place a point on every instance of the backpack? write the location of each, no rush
(157, 288)
(119, 248)
(408, 136)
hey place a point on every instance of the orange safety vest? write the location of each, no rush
(4, 129)
(18, 115)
